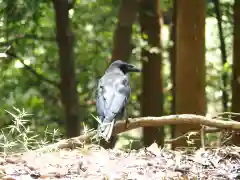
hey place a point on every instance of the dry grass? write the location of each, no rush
(93, 162)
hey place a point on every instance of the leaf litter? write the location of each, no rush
(113, 164)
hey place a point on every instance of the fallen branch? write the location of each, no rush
(149, 121)
(71, 143)
(194, 132)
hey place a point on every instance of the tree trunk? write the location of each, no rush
(223, 54)
(190, 65)
(152, 95)
(172, 56)
(68, 86)
(236, 67)
(122, 46)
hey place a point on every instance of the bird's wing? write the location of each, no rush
(100, 105)
(112, 95)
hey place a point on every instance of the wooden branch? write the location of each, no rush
(174, 120)
(149, 121)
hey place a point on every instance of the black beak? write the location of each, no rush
(132, 68)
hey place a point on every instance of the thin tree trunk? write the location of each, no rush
(122, 46)
(225, 97)
(173, 58)
(152, 95)
(190, 65)
(236, 67)
(68, 86)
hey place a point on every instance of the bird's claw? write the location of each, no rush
(126, 123)
(100, 134)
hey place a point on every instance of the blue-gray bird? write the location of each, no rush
(112, 96)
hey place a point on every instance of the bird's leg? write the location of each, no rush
(126, 121)
(106, 134)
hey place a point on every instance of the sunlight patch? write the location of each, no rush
(18, 64)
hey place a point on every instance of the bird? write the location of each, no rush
(112, 94)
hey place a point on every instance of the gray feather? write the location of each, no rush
(112, 95)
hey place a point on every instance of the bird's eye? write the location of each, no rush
(124, 67)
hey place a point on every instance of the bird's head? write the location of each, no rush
(124, 67)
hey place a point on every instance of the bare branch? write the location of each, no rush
(27, 36)
(149, 121)
(229, 113)
(35, 73)
(169, 141)
(174, 120)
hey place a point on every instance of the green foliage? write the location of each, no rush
(21, 135)
(29, 26)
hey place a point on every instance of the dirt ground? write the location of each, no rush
(93, 162)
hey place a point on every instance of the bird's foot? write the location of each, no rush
(126, 123)
(105, 131)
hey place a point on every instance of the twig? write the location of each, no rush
(30, 69)
(28, 36)
(206, 130)
(228, 139)
(177, 138)
(229, 113)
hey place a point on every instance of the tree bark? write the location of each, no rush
(236, 67)
(68, 86)
(152, 95)
(173, 58)
(225, 97)
(122, 46)
(190, 65)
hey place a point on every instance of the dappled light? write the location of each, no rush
(123, 89)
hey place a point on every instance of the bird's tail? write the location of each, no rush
(105, 130)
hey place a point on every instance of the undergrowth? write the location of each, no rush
(21, 137)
